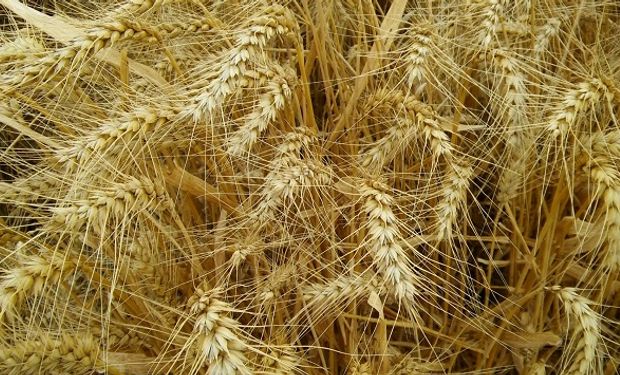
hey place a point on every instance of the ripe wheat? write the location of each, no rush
(359, 187)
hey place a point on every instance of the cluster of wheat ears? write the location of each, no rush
(310, 187)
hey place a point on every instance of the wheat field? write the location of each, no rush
(311, 187)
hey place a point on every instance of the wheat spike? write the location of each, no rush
(586, 332)
(68, 354)
(383, 232)
(215, 335)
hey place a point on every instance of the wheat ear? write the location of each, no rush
(416, 58)
(360, 368)
(29, 278)
(384, 150)
(113, 137)
(270, 103)
(289, 175)
(138, 7)
(77, 354)
(282, 361)
(513, 115)
(493, 12)
(176, 29)
(135, 195)
(20, 49)
(565, 116)
(537, 368)
(215, 335)
(328, 295)
(382, 239)
(604, 173)
(544, 37)
(416, 119)
(412, 365)
(94, 40)
(288, 178)
(454, 193)
(275, 20)
(586, 333)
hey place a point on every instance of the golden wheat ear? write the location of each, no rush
(586, 333)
